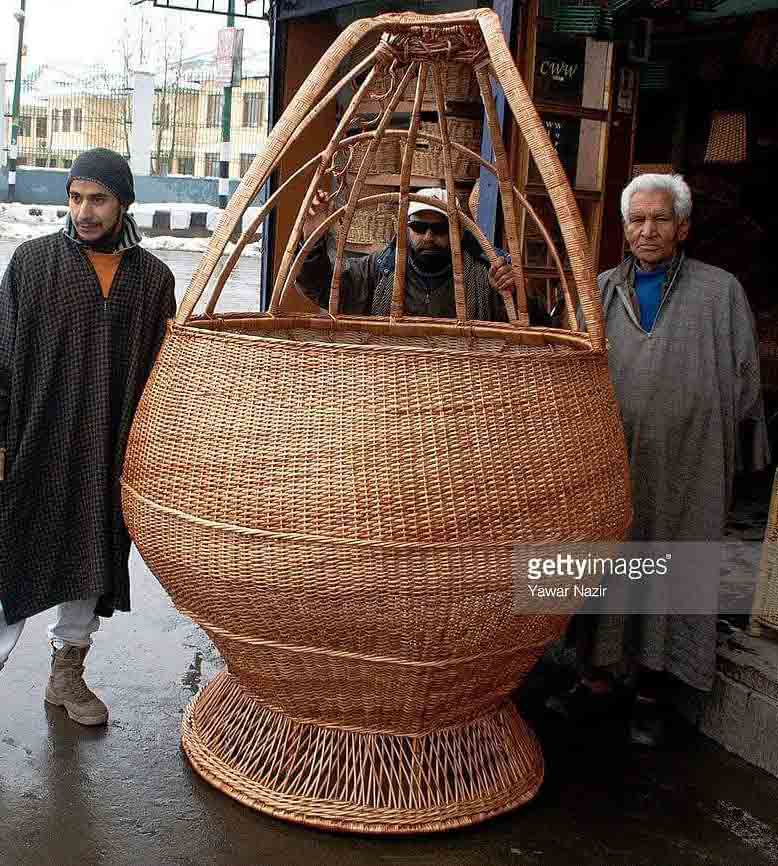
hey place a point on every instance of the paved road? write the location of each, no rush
(240, 293)
(124, 795)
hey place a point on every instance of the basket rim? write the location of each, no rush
(537, 340)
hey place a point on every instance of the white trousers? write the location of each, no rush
(75, 624)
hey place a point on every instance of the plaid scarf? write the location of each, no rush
(130, 236)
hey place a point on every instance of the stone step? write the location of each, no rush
(741, 711)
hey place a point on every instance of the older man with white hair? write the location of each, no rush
(685, 366)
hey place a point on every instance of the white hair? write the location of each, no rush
(674, 184)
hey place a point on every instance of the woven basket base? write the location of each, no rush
(352, 781)
(769, 624)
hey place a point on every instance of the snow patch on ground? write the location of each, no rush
(21, 222)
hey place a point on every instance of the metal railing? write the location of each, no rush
(59, 120)
(187, 124)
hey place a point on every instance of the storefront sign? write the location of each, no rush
(559, 73)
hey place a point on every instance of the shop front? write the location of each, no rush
(623, 88)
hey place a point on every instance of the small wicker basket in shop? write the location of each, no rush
(343, 502)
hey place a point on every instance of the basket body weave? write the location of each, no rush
(343, 502)
(362, 505)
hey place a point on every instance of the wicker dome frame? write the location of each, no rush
(340, 501)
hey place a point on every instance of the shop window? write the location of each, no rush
(579, 144)
(211, 165)
(245, 162)
(253, 109)
(570, 70)
(569, 76)
(214, 114)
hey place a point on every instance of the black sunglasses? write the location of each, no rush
(420, 227)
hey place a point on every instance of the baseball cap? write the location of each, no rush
(436, 192)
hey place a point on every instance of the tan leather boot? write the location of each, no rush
(66, 687)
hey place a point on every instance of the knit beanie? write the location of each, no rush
(106, 167)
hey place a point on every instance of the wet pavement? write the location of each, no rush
(124, 795)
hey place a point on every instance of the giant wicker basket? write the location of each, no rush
(341, 501)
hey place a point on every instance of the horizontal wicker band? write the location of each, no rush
(437, 664)
(328, 539)
(494, 708)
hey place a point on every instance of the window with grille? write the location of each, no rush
(215, 104)
(211, 165)
(186, 165)
(41, 122)
(55, 120)
(25, 126)
(76, 120)
(66, 119)
(245, 162)
(253, 109)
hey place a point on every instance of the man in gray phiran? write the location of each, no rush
(82, 315)
(685, 366)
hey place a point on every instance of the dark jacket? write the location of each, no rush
(72, 369)
(366, 286)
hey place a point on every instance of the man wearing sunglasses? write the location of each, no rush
(366, 286)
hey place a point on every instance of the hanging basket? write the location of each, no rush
(428, 157)
(651, 168)
(374, 225)
(342, 501)
(727, 141)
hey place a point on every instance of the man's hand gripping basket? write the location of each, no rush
(338, 500)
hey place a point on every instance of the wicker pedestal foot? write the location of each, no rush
(340, 779)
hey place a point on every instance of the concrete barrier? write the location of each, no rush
(47, 186)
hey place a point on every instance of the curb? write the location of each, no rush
(185, 223)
